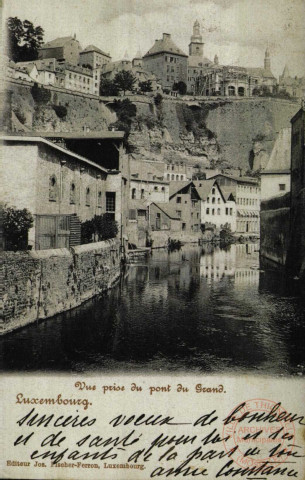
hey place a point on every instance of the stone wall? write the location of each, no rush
(39, 284)
(274, 229)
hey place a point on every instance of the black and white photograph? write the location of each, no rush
(153, 220)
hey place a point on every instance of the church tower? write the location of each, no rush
(267, 62)
(196, 45)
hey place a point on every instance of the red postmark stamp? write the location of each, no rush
(259, 431)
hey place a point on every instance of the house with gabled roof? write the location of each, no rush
(167, 62)
(185, 200)
(217, 208)
(62, 48)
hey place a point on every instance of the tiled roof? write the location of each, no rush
(242, 179)
(169, 210)
(93, 48)
(261, 72)
(175, 187)
(57, 42)
(165, 45)
(204, 188)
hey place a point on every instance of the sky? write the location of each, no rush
(238, 31)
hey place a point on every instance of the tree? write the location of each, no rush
(23, 39)
(108, 88)
(180, 87)
(125, 81)
(125, 111)
(16, 224)
(100, 227)
(145, 86)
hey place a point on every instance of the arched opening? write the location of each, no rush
(53, 190)
(241, 91)
(142, 193)
(133, 193)
(72, 193)
(99, 199)
(231, 90)
(88, 197)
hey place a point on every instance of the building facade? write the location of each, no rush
(275, 178)
(59, 187)
(246, 191)
(65, 49)
(167, 62)
(197, 63)
(185, 200)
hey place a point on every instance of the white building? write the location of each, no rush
(275, 179)
(215, 209)
(147, 182)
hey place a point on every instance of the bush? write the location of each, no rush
(226, 237)
(158, 99)
(60, 110)
(40, 94)
(100, 227)
(16, 224)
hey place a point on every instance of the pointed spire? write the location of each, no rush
(286, 73)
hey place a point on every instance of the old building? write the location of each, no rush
(78, 78)
(230, 80)
(147, 182)
(167, 62)
(58, 186)
(246, 191)
(275, 178)
(65, 49)
(177, 171)
(163, 216)
(296, 254)
(94, 57)
(197, 62)
(184, 198)
(294, 86)
(215, 209)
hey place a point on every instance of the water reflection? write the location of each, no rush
(197, 309)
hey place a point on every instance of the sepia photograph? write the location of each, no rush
(153, 212)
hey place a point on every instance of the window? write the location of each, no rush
(227, 211)
(168, 176)
(282, 187)
(183, 226)
(53, 189)
(163, 189)
(99, 199)
(218, 201)
(213, 191)
(133, 193)
(178, 213)
(142, 193)
(207, 211)
(213, 211)
(218, 211)
(178, 199)
(110, 202)
(88, 197)
(156, 189)
(213, 200)
(177, 177)
(72, 193)
(173, 177)
(231, 211)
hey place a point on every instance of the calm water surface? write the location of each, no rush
(194, 310)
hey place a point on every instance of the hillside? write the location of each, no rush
(220, 132)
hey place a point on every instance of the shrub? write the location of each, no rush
(100, 227)
(40, 94)
(16, 224)
(60, 110)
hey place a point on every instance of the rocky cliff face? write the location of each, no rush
(220, 133)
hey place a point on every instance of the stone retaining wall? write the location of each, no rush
(42, 283)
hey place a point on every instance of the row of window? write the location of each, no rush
(248, 189)
(247, 201)
(54, 195)
(170, 59)
(172, 177)
(80, 78)
(142, 192)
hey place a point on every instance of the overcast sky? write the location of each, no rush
(237, 30)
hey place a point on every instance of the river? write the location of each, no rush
(199, 309)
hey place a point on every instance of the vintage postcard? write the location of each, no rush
(152, 239)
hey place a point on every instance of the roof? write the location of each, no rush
(78, 69)
(227, 192)
(93, 48)
(147, 172)
(102, 135)
(261, 72)
(195, 61)
(204, 188)
(29, 139)
(168, 209)
(175, 187)
(165, 45)
(57, 42)
(242, 179)
(280, 158)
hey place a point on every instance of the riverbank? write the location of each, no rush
(40, 284)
